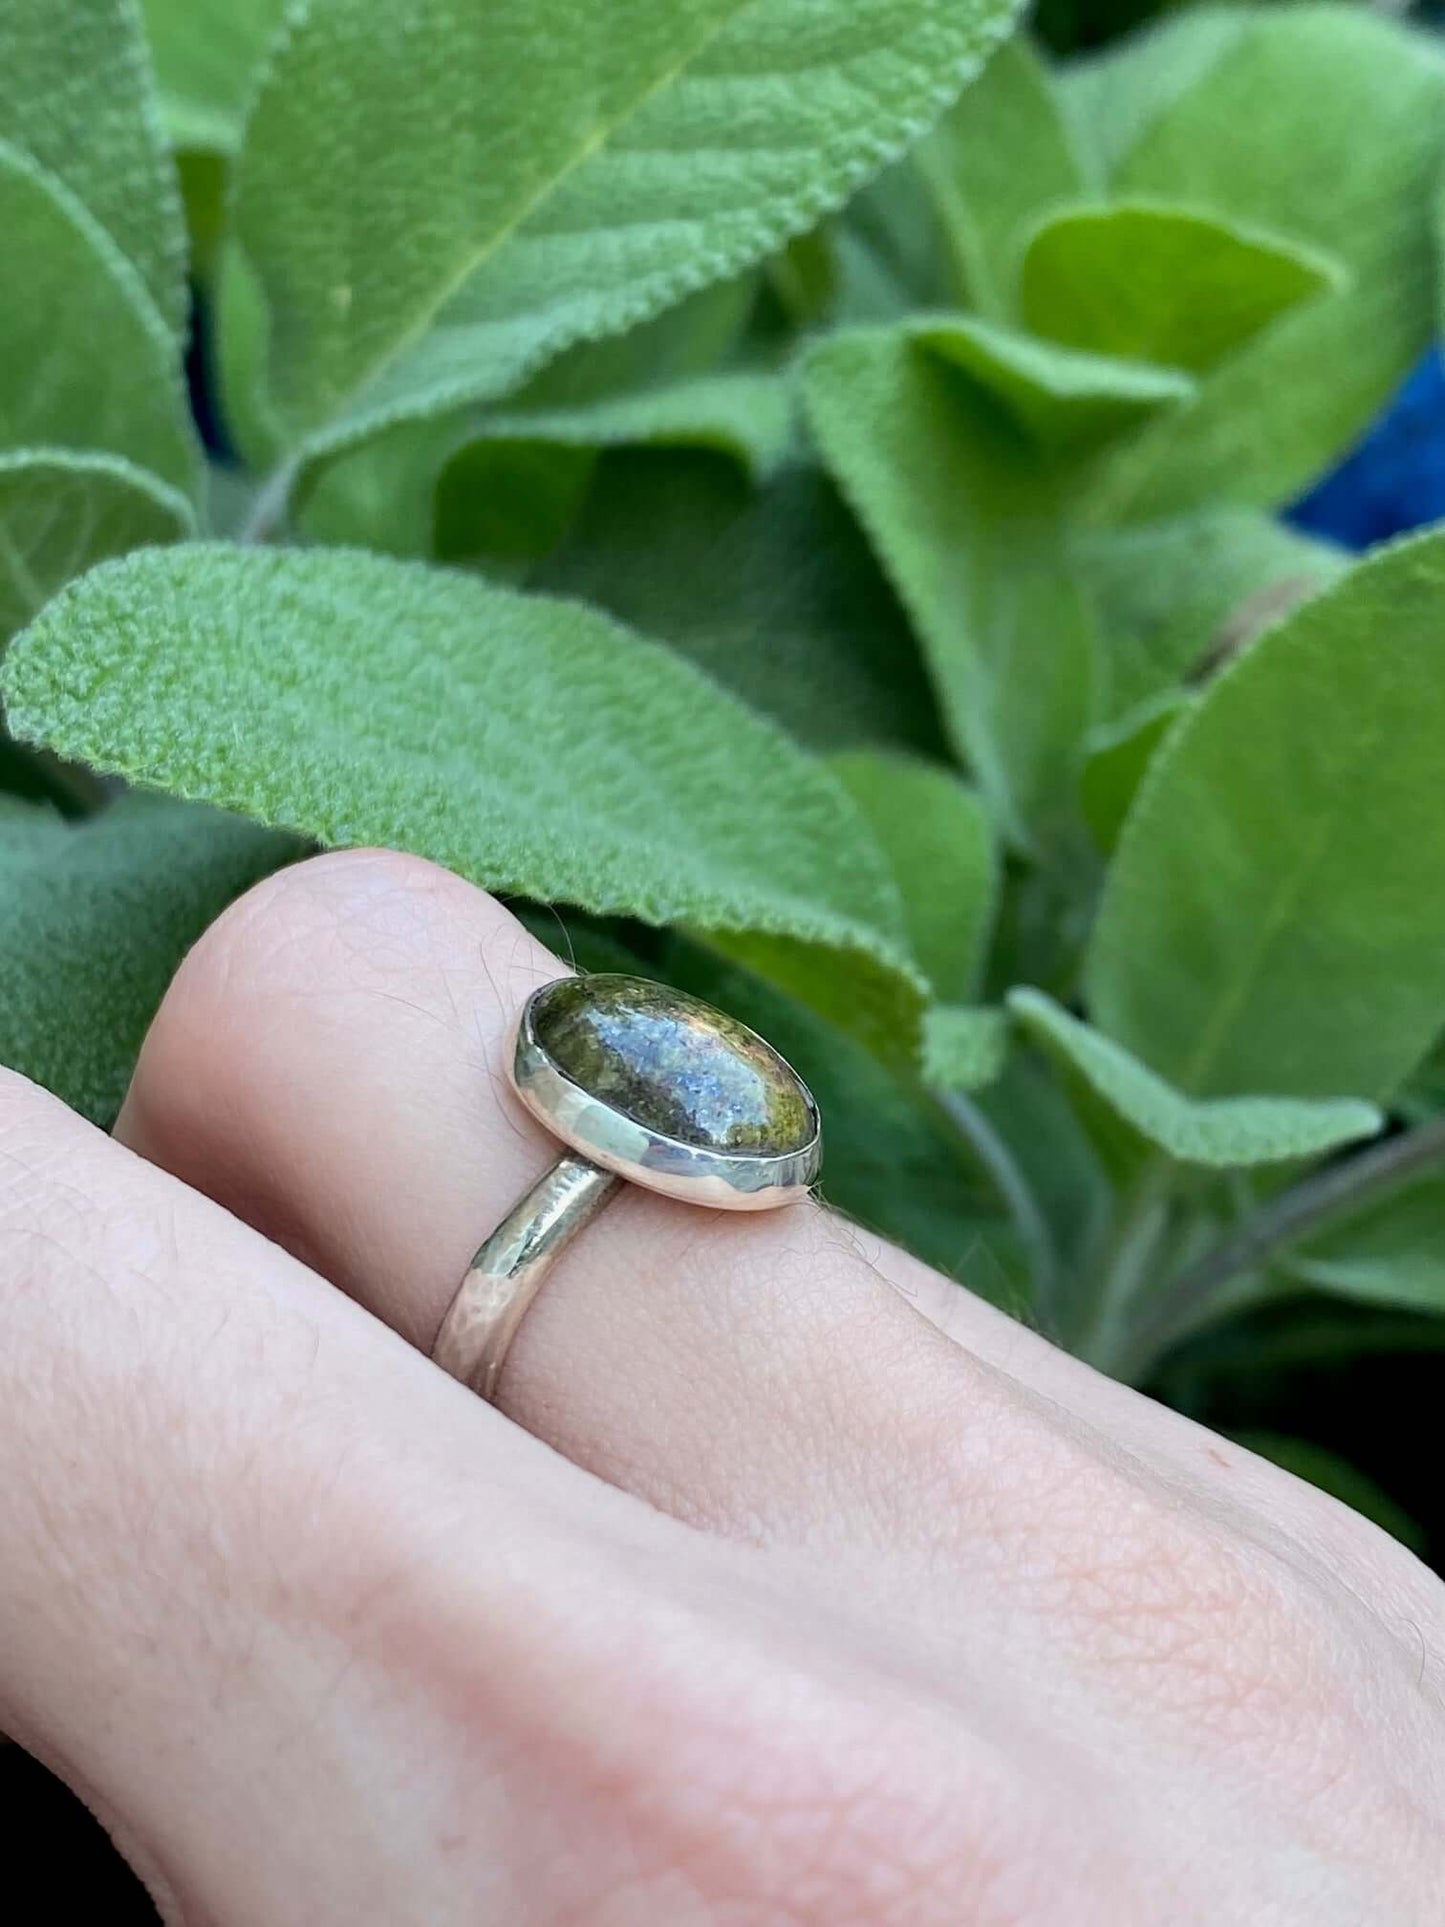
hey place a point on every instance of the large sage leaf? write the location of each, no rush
(937, 839)
(663, 383)
(1221, 1131)
(964, 518)
(772, 591)
(85, 360)
(1326, 124)
(995, 163)
(1162, 284)
(76, 93)
(385, 494)
(532, 745)
(94, 919)
(1274, 919)
(576, 169)
(61, 511)
(1119, 756)
(1111, 98)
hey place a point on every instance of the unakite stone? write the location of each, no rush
(673, 1064)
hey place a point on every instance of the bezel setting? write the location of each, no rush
(724, 1180)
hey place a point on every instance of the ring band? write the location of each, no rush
(642, 1084)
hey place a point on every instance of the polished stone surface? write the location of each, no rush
(673, 1064)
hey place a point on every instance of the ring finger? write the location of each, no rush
(329, 1065)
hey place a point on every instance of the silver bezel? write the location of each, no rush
(725, 1180)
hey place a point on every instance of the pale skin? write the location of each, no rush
(788, 1587)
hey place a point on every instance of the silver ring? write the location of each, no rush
(644, 1085)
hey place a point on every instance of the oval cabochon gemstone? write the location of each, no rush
(673, 1064)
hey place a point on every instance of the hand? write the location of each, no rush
(790, 1585)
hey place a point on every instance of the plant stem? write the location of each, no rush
(268, 510)
(1014, 1189)
(1342, 1187)
(1118, 1277)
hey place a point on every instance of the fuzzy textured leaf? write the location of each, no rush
(1162, 284)
(207, 54)
(936, 837)
(532, 745)
(58, 386)
(1327, 124)
(385, 493)
(1119, 756)
(76, 93)
(1171, 596)
(1063, 398)
(995, 163)
(518, 461)
(578, 168)
(61, 511)
(95, 918)
(1274, 918)
(1222, 1132)
(1112, 98)
(964, 1046)
(772, 591)
(965, 520)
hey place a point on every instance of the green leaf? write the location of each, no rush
(1119, 757)
(1163, 284)
(1111, 98)
(504, 503)
(525, 467)
(207, 55)
(891, 253)
(740, 413)
(1391, 1254)
(996, 161)
(773, 592)
(1318, 1466)
(1063, 399)
(964, 1046)
(534, 746)
(803, 276)
(85, 361)
(937, 839)
(1222, 1132)
(576, 169)
(658, 383)
(1250, 125)
(1274, 918)
(96, 918)
(1169, 596)
(76, 94)
(61, 511)
(1040, 1127)
(965, 519)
